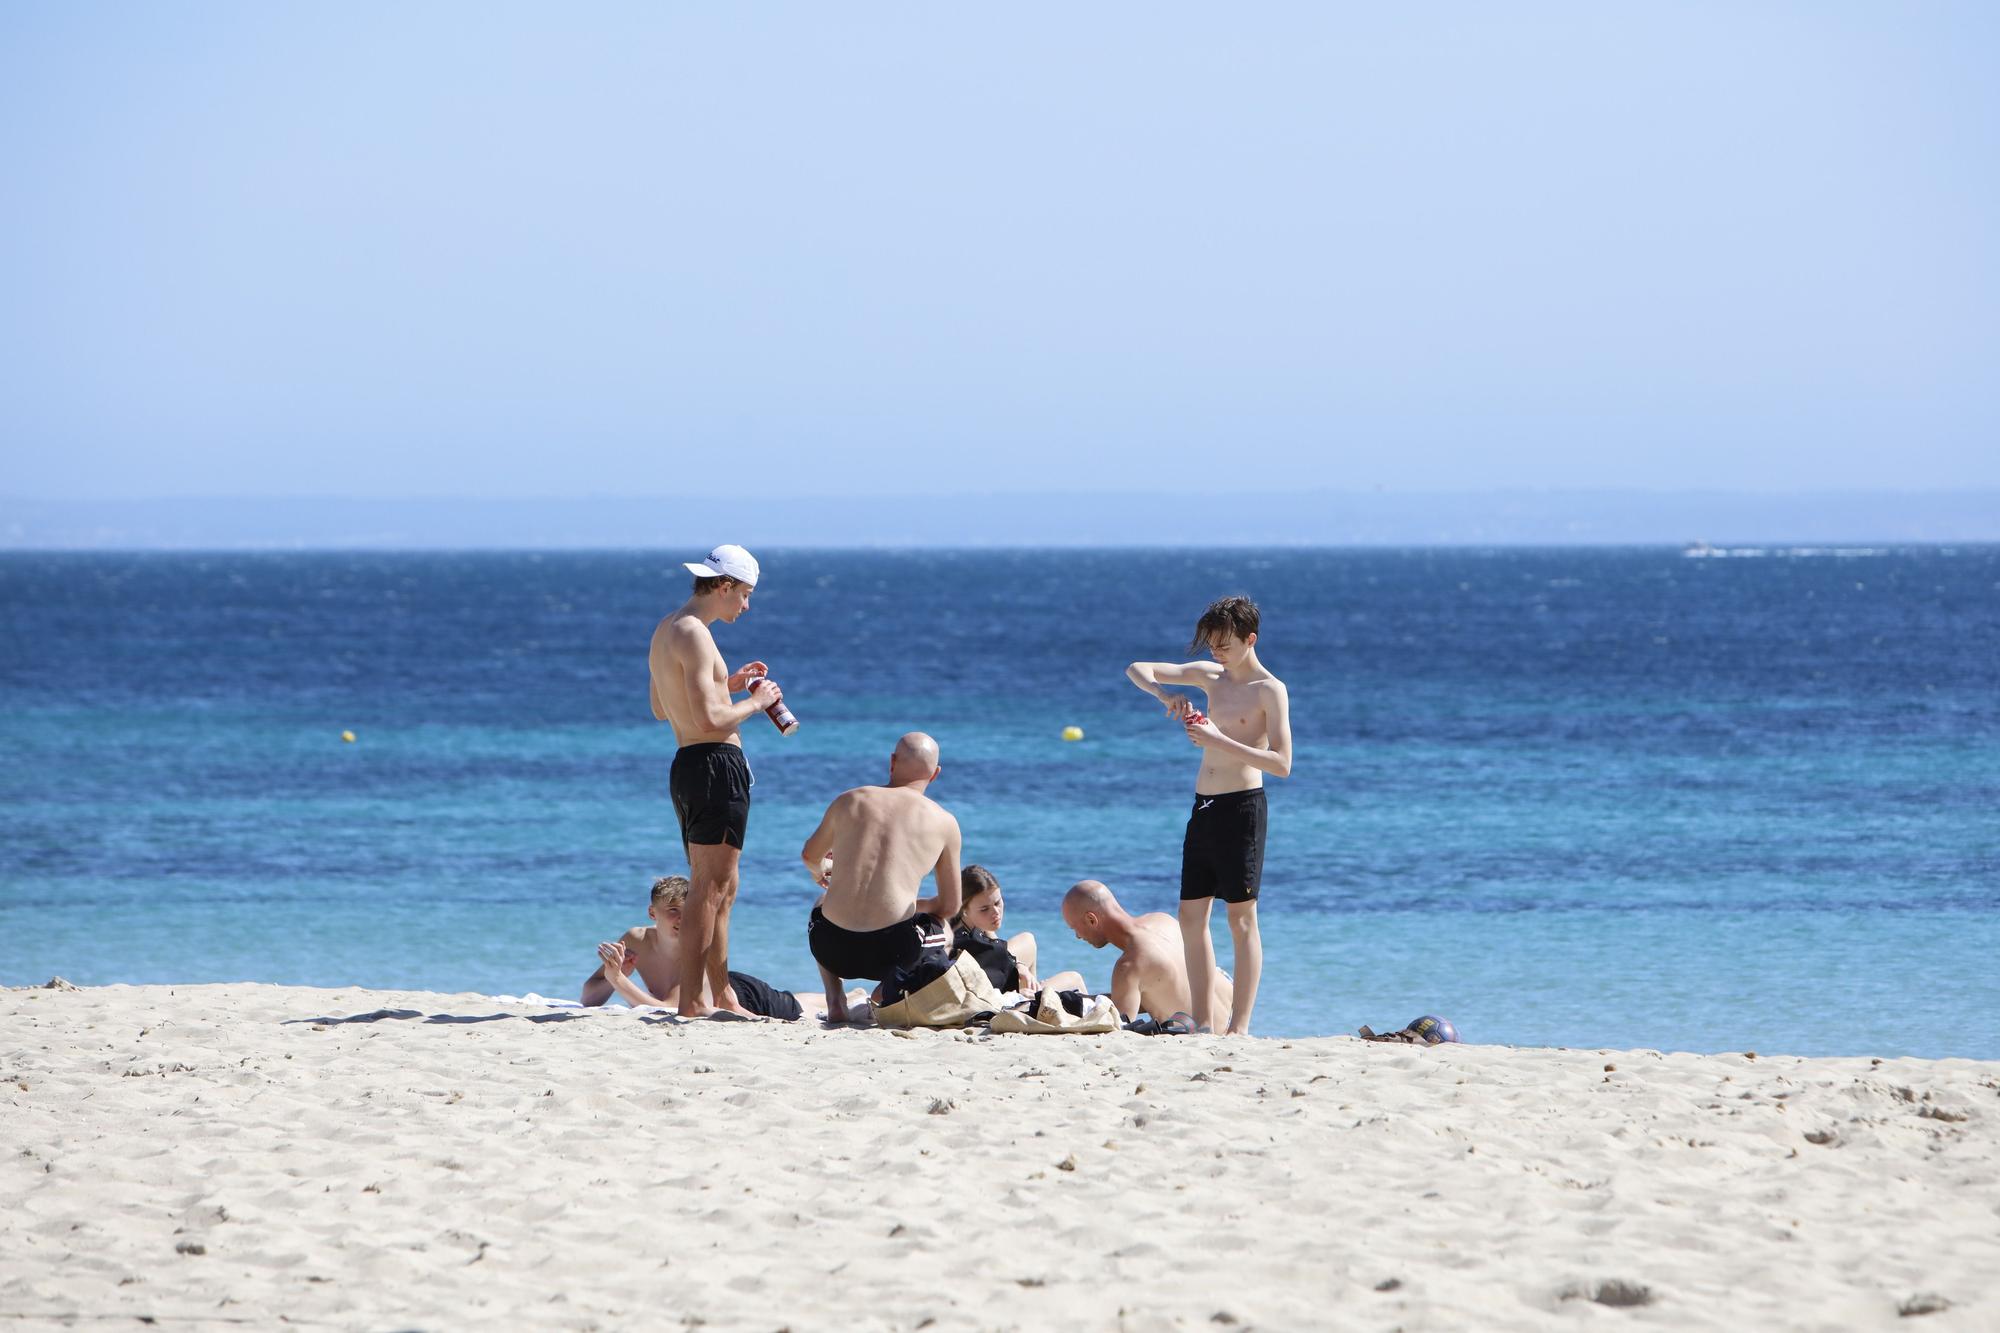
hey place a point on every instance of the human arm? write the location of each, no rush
(820, 845)
(617, 958)
(638, 996)
(1150, 676)
(1125, 990)
(1022, 946)
(950, 891)
(741, 678)
(1277, 759)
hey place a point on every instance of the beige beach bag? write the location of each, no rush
(1049, 1016)
(949, 1001)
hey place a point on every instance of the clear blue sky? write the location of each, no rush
(541, 250)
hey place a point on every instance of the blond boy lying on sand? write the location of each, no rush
(654, 953)
(1150, 976)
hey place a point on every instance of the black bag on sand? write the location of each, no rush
(905, 981)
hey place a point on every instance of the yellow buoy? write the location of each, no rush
(347, 736)
(1072, 733)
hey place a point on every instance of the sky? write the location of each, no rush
(804, 250)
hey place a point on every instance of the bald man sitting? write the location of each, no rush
(1150, 976)
(883, 841)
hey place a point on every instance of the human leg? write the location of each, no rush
(836, 998)
(761, 998)
(1200, 954)
(711, 790)
(719, 987)
(1248, 945)
(704, 948)
(1239, 861)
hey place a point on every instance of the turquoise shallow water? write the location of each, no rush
(1614, 797)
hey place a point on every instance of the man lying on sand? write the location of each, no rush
(654, 952)
(883, 840)
(1150, 976)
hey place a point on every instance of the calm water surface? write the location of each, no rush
(1604, 797)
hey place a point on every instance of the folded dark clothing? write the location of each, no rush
(930, 965)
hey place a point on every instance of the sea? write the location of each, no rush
(1706, 800)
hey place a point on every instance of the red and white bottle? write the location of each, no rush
(781, 716)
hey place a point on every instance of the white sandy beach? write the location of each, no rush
(235, 1155)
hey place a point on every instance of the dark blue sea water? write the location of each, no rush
(1603, 797)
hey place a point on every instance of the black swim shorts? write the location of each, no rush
(711, 788)
(1222, 855)
(761, 998)
(874, 954)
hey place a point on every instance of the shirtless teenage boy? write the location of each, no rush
(654, 953)
(711, 779)
(1151, 974)
(883, 841)
(1246, 734)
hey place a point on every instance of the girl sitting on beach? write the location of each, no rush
(1008, 964)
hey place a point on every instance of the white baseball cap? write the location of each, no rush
(729, 562)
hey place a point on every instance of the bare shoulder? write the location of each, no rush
(1274, 690)
(1156, 930)
(681, 629)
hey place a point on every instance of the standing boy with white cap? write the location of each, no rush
(711, 779)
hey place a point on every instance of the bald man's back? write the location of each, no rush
(884, 841)
(1156, 963)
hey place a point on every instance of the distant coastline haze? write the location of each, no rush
(1298, 518)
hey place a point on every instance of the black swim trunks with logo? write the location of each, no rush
(1222, 854)
(710, 783)
(874, 954)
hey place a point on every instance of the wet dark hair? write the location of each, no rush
(1234, 616)
(713, 583)
(973, 881)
